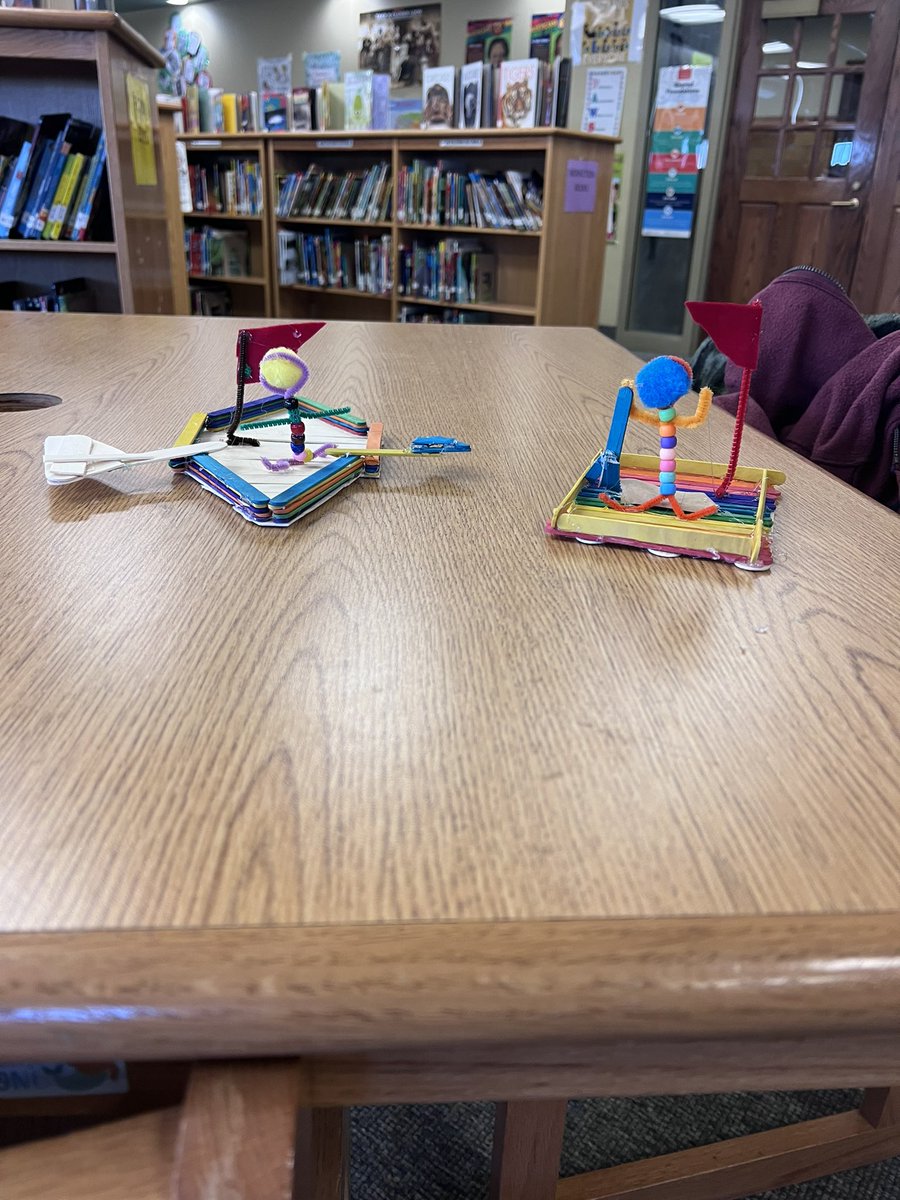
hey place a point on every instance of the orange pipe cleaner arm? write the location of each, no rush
(703, 404)
(644, 414)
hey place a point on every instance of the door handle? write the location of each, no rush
(854, 203)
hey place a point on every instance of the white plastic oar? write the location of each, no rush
(77, 456)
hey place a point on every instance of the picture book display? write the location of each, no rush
(274, 459)
(669, 505)
(438, 93)
(519, 91)
(471, 78)
(358, 99)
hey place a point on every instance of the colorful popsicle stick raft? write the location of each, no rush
(670, 505)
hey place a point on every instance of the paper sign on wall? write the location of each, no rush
(581, 186)
(143, 156)
(679, 119)
(604, 95)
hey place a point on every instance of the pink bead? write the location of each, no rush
(665, 458)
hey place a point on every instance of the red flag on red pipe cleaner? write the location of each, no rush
(292, 336)
(733, 327)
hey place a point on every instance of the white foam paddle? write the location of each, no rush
(77, 456)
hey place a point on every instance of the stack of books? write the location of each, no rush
(329, 261)
(210, 302)
(434, 194)
(451, 271)
(50, 177)
(358, 195)
(232, 187)
(217, 252)
(65, 295)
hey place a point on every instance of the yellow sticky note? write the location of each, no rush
(143, 157)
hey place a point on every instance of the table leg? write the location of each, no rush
(527, 1144)
(321, 1165)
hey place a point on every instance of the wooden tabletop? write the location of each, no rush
(413, 706)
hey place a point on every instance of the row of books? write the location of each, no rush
(450, 270)
(217, 251)
(519, 94)
(411, 315)
(328, 260)
(65, 295)
(232, 186)
(436, 194)
(363, 194)
(50, 177)
(210, 302)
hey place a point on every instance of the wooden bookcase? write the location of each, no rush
(251, 294)
(53, 61)
(548, 277)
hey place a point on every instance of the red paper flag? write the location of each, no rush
(733, 327)
(267, 338)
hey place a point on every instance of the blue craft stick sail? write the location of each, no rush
(605, 469)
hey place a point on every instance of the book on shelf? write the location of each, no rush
(323, 67)
(212, 110)
(333, 108)
(563, 68)
(358, 99)
(301, 109)
(211, 251)
(362, 194)
(451, 270)
(381, 101)
(210, 302)
(519, 91)
(227, 186)
(471, 79)
(229, 112)
(410, 314)
(49, 176)
(275, 112)
(65, 295)
(438, 91)
(332, 260)
(434, 194)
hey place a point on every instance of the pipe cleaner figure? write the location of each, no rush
(658, 387)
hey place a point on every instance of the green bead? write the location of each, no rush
(667, 414)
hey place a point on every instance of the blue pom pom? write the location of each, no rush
(661, 382)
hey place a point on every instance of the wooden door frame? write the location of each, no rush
(877, 197)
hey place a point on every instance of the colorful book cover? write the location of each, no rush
(517, 102)
(275, 111)
(470, 83)
(546, 33)
(438, 91)
(358, 99)
(381, 95)
(301, 109)
(14, 189)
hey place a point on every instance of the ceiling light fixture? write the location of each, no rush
(693, 14)
(776, 48)
(177, 3)
(810, 66)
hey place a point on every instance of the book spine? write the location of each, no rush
(14, 189)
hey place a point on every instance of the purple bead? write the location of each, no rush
(667, 443)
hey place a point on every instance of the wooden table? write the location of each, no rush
(443, 807)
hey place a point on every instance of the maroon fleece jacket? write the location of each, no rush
(825, 385)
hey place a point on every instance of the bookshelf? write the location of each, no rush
(77, 62)
(549, 276)
(249, 291)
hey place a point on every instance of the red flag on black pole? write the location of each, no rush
(268, 337)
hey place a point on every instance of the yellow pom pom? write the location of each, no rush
(282, 370)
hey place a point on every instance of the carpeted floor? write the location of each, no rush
(442, 1151)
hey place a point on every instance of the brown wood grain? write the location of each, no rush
(123, 1160)
(237, 1132)
(47, 24)
(328, 989)
(528, 1138)
(413, 705)
(322, 1155)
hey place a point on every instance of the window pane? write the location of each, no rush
(761, 154)
(853, 40)
(777, 44)
(771, 91)
(843, 99)
(796, 154)
(835, 154)
(806, 101)
(815, 42)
